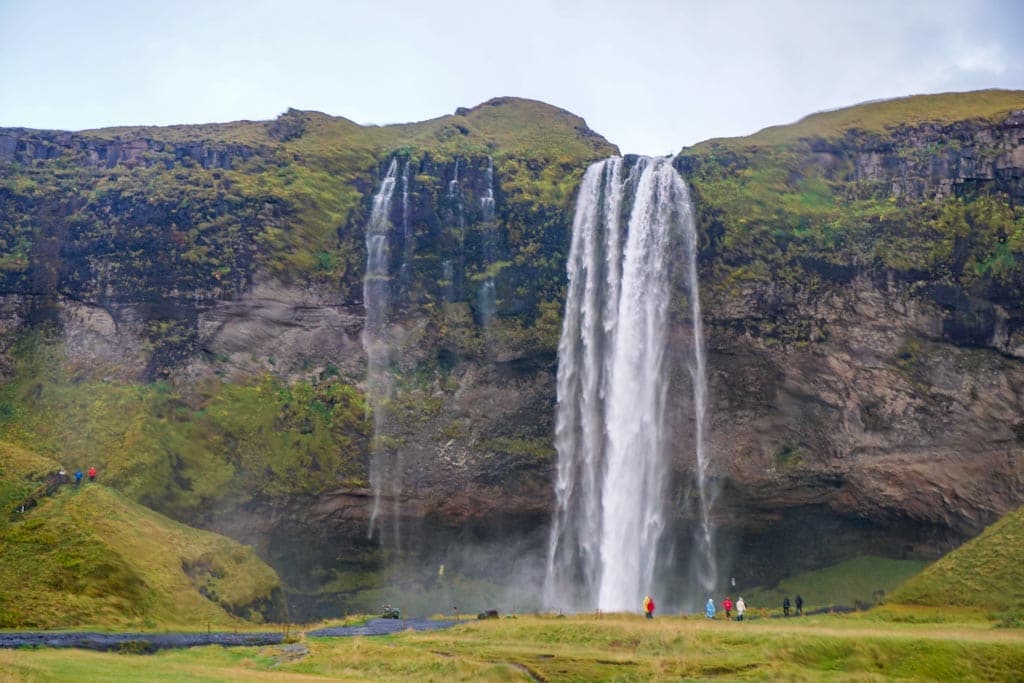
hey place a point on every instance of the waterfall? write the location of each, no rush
(376, 343)
(486, 297)
(408, 246)
(610, 427)
(704, 559)
(455, 199)
(487, 201)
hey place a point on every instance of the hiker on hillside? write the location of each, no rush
(78, 477)
(741, 607)
(709, 609)
(727, 606)
(785, 606)
(649, 607)
(92, 474)
(63, 474)
(799, 606)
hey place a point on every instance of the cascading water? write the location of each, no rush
(610, 430)
(487, 201)
(376, 342)
(486, 298)
(407, 237)
(459, 216)
(703, 560)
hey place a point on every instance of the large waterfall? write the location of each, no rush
(613, 378)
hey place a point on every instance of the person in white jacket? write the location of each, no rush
(741, 607)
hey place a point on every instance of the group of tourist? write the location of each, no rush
(62, 475)
(727, 606)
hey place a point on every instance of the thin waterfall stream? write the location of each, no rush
(377, 297)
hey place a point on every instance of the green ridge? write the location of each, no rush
(986, 572)
(86, 556)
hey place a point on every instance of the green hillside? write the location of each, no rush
(86, 556)
(886, 115)
(985, 572)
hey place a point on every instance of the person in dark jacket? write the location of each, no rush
(785, 607)
(799, 606)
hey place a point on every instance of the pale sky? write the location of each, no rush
(650, 75)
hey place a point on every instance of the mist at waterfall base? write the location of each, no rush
(622, 419)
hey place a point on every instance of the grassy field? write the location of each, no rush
(860, 647)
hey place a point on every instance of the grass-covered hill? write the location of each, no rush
(87, 556)
(923, 189)
(987, 572)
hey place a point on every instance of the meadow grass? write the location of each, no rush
(582, 648)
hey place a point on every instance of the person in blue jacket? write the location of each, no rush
(709, 609)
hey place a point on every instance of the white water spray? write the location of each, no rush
(610, 429)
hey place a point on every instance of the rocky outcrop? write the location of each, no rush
(882, 420)
(936, 161)
(133, 148)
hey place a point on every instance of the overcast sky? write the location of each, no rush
(650, 75)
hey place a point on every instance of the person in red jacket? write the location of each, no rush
(727, 606)
(92, 474)
(649, 607)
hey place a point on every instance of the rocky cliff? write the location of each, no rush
(864, 321)
(185, 307)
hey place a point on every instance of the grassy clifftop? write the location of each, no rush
(88, 556)
(885, 116)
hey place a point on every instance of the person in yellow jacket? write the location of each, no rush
(648, 607)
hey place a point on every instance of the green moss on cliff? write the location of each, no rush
(201, 206)
(907, 188)
(187, 452)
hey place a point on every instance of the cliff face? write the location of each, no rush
(865, 361)
(861, 290)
